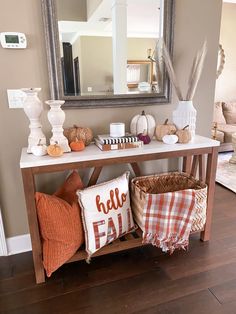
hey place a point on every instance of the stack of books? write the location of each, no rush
(106, 143)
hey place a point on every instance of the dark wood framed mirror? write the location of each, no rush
(80, 81)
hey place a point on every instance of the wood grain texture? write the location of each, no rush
(136, 169)
(95, 175)
(128, 242)
(196, 303)
(193, 171)
(210, 181)
(187, 161)
(202, 169)
(141, 280)
(29, 188)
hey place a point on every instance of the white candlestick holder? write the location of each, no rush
(56, 117)
(33, 108)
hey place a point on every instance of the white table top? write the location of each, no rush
(92, 152)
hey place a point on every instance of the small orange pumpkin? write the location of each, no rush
(55, 150)
(77, 145)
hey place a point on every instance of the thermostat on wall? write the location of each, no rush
(13, 40)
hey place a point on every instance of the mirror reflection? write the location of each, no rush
(109, 47)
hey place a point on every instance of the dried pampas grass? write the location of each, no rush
(171, 72)
(195, 73)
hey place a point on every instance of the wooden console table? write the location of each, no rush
(193, 155)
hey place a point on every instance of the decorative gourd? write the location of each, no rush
(142, 122)
(39, 149)
(144, 137)
(184, 135)
(164, 129)
(77, 145)
(81, 133)
(55, 150)
(170, 139)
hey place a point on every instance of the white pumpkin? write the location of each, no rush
(39, 149)
(170, 139)
(142, 122)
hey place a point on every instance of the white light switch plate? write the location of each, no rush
(15, 98)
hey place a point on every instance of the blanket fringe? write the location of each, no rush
(166, 244)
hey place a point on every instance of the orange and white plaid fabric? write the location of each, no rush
(168, 219)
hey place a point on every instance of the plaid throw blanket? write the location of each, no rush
(168, 219)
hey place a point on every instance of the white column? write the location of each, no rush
(119, 45)
(161, 19)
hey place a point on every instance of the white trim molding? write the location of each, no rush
(3, 245)
(19, 244)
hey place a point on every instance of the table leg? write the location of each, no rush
(187, 161)
(210, 181)
(95, 175)
(202, 168)
(194, 166)
(136, 169)
(29, 189)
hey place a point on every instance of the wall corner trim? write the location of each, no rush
(3, 245)
(19, 244)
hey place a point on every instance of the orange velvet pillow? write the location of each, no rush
(60, 223)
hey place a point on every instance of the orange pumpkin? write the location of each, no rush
(81, 133)
(77, 145)
(55, 150)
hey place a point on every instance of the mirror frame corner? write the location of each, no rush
(99, 101)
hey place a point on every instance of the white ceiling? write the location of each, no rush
(142, 21)
(229, 1)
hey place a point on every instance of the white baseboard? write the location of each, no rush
(19, 244)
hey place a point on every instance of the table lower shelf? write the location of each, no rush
(129, 241)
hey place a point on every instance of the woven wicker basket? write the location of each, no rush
(168, 182)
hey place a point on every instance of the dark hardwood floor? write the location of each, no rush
(143, 280)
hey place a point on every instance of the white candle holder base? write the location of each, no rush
(32, 141)
(62, 143)
(56, 117)
(33, 108)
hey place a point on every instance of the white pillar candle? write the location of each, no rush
(117, 129)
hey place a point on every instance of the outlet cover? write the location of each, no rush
(15, 98)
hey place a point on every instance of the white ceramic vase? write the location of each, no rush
(56, 117)
(33, 108)
(185, 114)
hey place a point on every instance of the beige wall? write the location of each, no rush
(194, 21)
(96, 63)
(71, 10)
(226, 83)
(95, 56)
(92, 6)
